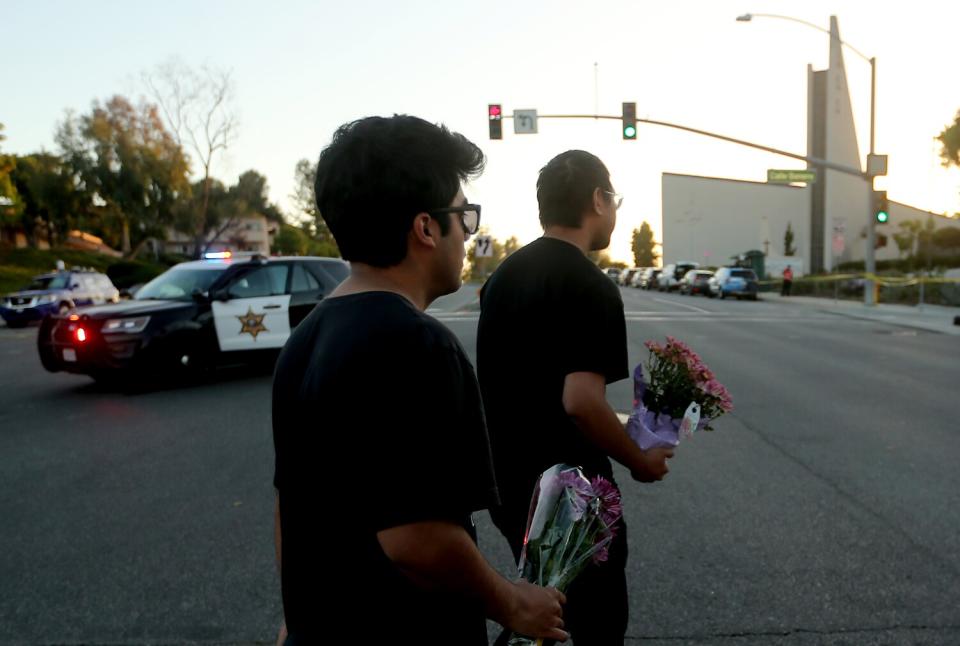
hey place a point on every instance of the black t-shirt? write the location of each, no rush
(546, 312)
(377, 423)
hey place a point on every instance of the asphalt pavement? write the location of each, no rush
(823, 510)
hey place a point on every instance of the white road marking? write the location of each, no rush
(692, 307)
(674, 317)
(728, 319)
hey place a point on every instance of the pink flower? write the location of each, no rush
(610, 508)
(713, 387)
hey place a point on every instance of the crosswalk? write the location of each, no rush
(682, 316)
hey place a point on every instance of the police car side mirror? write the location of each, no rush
(219, 295)
(200, 296)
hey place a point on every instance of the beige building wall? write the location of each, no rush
(709, 220)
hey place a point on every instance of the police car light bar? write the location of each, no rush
(218, 255)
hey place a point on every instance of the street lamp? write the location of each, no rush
(748, 17)
(870, 260)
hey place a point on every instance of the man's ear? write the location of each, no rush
(421, 230)
(598, 200)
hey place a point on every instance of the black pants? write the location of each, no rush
(597, 610)
(785, 290)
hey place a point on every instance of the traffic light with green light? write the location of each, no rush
(495, 116)
(629, 121)
(881, 207)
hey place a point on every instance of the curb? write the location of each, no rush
(907, 324)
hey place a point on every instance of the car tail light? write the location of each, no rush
(81, 334)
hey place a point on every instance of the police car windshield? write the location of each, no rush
(178, 284)
(60, 281)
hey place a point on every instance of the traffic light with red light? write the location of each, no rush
(495, 116)
(629, 121)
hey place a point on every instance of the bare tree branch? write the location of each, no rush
(198, 109)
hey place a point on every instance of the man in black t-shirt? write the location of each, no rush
(551, 336)
(381, 445)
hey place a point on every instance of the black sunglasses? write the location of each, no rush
(469, 216)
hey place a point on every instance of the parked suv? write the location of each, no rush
(696, 282)
(57, 293)
(648, 279)
(669, 278)
(734, 281)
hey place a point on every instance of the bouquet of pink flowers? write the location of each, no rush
(682, 397)
(571, 523)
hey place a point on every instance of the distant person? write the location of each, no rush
(552, 335)
(381, 445)
(787, 281)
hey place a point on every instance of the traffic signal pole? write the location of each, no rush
(815, 161)
(870, 259)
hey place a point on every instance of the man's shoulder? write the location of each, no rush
(377, 316)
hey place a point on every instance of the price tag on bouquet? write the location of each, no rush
(690, 420)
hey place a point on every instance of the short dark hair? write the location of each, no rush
(378, 173)
(565, 187)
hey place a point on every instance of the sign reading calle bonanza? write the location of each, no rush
(791, 176)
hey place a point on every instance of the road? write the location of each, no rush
(822, 510)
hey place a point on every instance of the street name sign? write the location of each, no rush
(791, 176)
(524, 122)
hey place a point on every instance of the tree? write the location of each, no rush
(11, 205)
(51, 196)
(604, 261)
(305, 201)
(950, 141)
(643, 246)
(197, 107)
(788, 248)
(916, 239)
(130, 165)
(947, 238)
(290, 241)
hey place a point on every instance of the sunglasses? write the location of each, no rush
(469, 216)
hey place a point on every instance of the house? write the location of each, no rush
(251, 233)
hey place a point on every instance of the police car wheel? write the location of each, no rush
(16, 324)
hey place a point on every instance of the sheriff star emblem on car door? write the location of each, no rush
(252, 323)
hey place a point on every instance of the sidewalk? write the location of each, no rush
(933, 318)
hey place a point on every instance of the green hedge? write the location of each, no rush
(18, 266)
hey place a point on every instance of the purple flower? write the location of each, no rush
(611, 509)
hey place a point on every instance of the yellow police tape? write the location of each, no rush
(888, 281)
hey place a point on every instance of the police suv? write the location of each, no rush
(60, 292)
(196, 315)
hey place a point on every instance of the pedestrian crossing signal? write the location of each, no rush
(629, 121)
(495, 117)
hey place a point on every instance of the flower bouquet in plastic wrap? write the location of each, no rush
(682, 397)
(571, 524)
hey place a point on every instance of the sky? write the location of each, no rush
(303, 68)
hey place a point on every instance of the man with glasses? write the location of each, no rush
(552, 335)
(381, 445)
